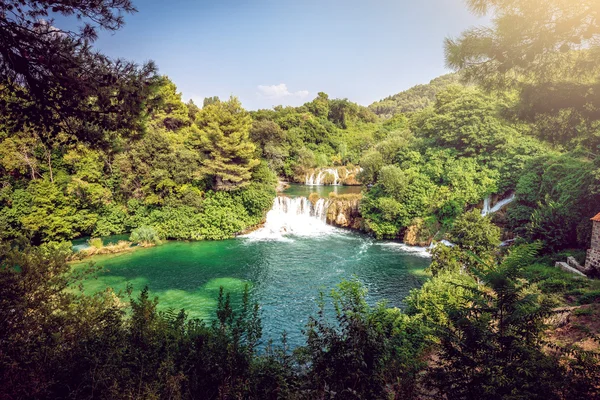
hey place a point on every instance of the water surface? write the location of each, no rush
(285, 265)
(285, 277)
(296, 190)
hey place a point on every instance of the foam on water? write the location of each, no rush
(294, 217)
(404, 248)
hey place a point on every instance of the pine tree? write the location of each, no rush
(225, 140)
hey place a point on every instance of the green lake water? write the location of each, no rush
(285, 272)
(323, 190)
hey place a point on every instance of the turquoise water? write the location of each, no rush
(284, 276)
(323, 190)
(285, 264)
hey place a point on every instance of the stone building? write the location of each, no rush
(592, 261)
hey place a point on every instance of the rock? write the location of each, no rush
(567, 268)
(343, 212)
(341, 220)
(282, 185)
(573, 263)
(418, 234)
(351, 180)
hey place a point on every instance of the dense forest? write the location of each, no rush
(91, 146)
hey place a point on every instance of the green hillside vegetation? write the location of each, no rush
(414, 99)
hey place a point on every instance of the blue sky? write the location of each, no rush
(269, 52)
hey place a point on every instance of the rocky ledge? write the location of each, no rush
(343, 211)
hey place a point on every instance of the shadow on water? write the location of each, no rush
(284, 277)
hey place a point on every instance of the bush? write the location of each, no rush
(145, 235)
(590, 297)
(96, 243)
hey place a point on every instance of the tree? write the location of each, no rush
(225, 141)
(414, 99)
(371, 163)
(52, 78)
(528, 39)
(170, 112)
(320, 105)
(548, 50)
(369, 353)
(265, 132)
(464, 119)
(492, 345)
(210, 100)
(474, 238)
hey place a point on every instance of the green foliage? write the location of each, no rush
(465, 120)
(224, 138)
(475, 233)
(414, 99)
(475, 240)
(547, 51)
(58, 342)
(498, 332)
(444, 291)
(368, 353)
(590, 297)
(96, 243)
(144, 235)
(74, 87)
(555, 200)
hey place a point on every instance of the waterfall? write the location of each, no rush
(486, 205)
(498, 206)
(317, 179)
(294, 216)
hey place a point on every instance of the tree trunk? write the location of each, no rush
(50, 166)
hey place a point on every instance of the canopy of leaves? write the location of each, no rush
(51, 78)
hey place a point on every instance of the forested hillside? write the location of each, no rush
(175, 174)
(414, 99)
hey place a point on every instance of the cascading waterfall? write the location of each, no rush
(294, 216)
(486, 205)
(497, 207)
(317, 179)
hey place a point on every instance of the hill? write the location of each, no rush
(414, 99)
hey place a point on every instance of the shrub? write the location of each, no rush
(96, 243)
(145, 235)
(314, 197)
(590, 297)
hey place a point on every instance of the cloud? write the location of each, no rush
(279, 92)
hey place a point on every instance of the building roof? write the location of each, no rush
(596, 218)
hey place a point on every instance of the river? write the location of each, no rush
(285, 264)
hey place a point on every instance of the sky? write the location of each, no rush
(269, 52)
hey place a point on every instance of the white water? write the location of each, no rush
(294, 216)
(313, 180)
(498, 206)
(404, 248)
(486, 205)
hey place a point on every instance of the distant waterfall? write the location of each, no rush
(497, 207)
(294, 216)
(332, 176)
(318, 177)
